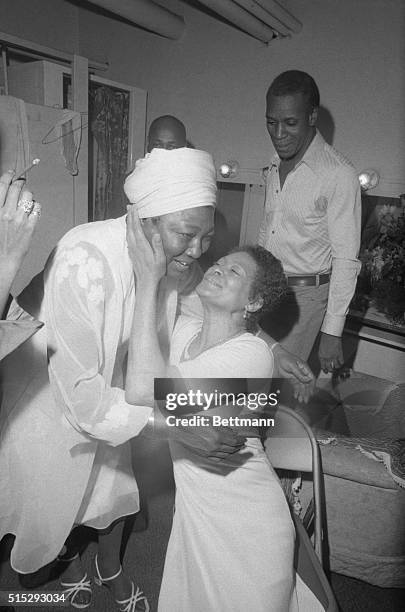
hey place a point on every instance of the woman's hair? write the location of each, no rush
(269, 284)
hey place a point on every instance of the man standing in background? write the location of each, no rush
(311, 222)
(166, 132)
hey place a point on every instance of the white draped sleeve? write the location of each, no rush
(83, 315)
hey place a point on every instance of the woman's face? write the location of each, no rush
(228, 282)
(185, 236)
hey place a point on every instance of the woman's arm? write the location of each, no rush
(291, 367)
(145, 360)
(81, 311)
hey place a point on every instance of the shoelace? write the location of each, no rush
(130, 603)
(73, 588)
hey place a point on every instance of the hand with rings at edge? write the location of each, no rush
(31, 207)
(19, 215)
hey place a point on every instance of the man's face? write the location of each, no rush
(166, 136)
(290, 124)
(185, 236)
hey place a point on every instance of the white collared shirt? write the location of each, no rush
(313, 223)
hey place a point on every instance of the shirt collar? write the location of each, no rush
(311, 157)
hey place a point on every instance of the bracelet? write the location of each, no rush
(272, 346)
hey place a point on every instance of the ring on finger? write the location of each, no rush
(26, 205)
(36, 209)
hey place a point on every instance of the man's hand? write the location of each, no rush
(208, 441)
(292, 367)
(330, 352)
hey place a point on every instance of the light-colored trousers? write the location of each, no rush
(296, 323)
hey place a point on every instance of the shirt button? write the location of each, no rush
(272, 231)
(276, 190)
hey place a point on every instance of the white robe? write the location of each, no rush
(64, 451)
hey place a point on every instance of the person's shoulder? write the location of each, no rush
(252, 353)
(103, 234)
(252, 344)
(336, 162)
(99, 243)
(253, 340)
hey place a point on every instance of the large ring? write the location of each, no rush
(36, 210)
(26, 205)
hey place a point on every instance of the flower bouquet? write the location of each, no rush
(381, 282)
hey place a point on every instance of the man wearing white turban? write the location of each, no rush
(68, 431)
(165, 182)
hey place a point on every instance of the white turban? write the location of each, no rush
(166, 181)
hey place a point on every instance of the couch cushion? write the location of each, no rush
(373, 407)
(369, 461)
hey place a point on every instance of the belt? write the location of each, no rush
(308, 280)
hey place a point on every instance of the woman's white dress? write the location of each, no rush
(232, 542)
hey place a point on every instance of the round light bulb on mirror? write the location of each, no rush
(368, 179)
(229, 169)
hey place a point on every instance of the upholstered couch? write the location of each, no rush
(357, 420)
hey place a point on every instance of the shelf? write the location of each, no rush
(374, 325)
(375, 347)
(382, 336)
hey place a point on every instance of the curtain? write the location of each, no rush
(108, 120)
